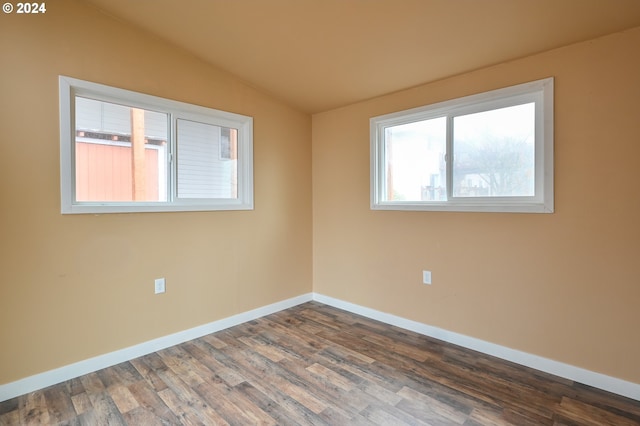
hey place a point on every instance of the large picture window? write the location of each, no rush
(123, 151)
(487, 152)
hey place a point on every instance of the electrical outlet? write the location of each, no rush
(426, 277)
(160, 285)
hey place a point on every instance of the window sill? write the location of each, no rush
(466, 207)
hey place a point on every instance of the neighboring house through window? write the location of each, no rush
(123, 151)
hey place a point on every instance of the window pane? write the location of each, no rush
(494, 153)
(120, 153)
(415, 167)
(207, 160)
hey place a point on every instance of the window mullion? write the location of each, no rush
(449, 157)
(172, 181)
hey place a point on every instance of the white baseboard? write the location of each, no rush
(52, 377)
(580, 375)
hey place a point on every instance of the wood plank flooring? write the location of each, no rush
(317, 365)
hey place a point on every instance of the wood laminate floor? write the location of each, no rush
(317, 365)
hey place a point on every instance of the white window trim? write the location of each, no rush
(540, 91)
(71, 87)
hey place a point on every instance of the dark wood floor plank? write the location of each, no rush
(105, 411)
(10, 418)
(291, 386)
(59, 404)
(294, 341)
(527, 419)
(342, 402)
(148, 399)
(92, 383)
(590, 415)
(81, 403)
(334, 378)
(233, 405)
(123, 398)
(434, 411)
(378, 416)
(317, 365)
(401, 371)
(184, 411)
(486, 416)
(142, 416)
(257, 375)
(75, 387)
(391, 343)
(321, 318)
(283, 410)
(149, 367)
(268, 351)
(200, 350)
(186, 367)
(185, 402)
(602, 399)
(33, 409)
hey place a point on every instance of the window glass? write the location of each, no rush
(120, 153)
(201, 171)
(489, 152)
(415, 166)
(494, 153)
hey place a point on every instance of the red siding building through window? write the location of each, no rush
(104, 173)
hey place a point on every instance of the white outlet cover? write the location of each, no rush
(160, 285)
(426, 277)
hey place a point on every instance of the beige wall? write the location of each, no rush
(565, 286)
(77, 286)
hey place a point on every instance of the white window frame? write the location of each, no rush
(540, 92)
(71, 87)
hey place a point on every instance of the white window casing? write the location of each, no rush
(398, 183)
(200, 162)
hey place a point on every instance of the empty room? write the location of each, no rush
(385, 212)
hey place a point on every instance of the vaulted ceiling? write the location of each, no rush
(322, 54)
